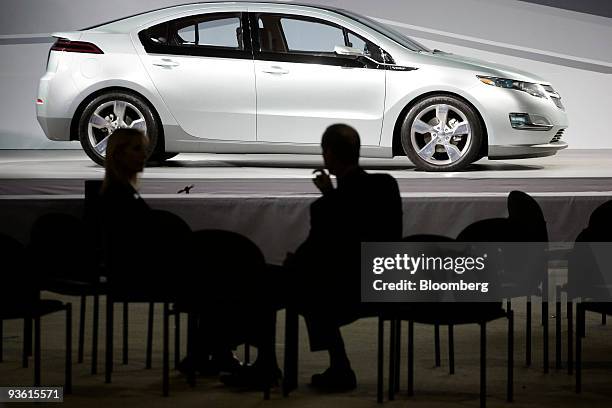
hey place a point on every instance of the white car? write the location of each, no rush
(261, 77)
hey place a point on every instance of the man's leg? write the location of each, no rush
(324, 334)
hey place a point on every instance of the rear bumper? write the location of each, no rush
(55, 128)
(497, 152)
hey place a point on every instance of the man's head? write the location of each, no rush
(340, 144)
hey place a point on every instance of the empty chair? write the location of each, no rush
(20, 299)
(146, 272)
(66, 260)
(588, 276)
(525, 272)
(457, 313)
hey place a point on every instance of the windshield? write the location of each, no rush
(396, 36)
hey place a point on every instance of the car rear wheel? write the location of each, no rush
(111, 111)
(442, 133)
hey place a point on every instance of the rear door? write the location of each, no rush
(202, 66)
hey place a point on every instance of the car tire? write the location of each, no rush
(101, 117)
(431, 147)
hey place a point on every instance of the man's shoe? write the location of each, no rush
(335, 380)
(210, 367)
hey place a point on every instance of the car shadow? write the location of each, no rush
(367, 163)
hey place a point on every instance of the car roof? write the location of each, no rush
(136, 20)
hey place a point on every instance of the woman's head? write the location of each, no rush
(126, 154)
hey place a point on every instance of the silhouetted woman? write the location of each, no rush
(125, 213)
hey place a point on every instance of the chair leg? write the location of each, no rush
(37, 380)
(437, 345)
(582, 327)
(291, 351)
(149, 357)
(380, 363)
(30, 338)
(94, 336)
(269, 353)
(166, 352)
(570, 337)
(579, 321)
(410, 375)
(398, 354)
(1, 341)
(109, 340)
(510, 385)
(177, 339)
(483, 365)
(68, 368)
(81, 345)
(27, 341)
(558, 345)
(545, 335)
(192, 328)
(528, 333)
(392, 349)
(126, 312)
(451, 349)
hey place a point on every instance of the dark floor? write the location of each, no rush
(135, 386)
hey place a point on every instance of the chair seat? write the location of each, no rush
(453, 313)
(43, 307)
(74, 288)
(598, 307)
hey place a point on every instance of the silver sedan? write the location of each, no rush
(270, 77)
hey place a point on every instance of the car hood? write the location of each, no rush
(482, 67)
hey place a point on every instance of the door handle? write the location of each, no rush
(275, 69)
(166, 63)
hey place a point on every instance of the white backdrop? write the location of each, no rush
(573, 50)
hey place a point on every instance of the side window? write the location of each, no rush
(283, 34)
(310, 36)
(210, 31)
(369, 48)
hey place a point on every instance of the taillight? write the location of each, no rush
(63, 44)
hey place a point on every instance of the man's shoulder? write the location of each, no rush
(382, 181)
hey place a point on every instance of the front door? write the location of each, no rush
(303, 86)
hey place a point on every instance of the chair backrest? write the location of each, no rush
(585, 277)
(487, 230)
(427, 238)
(228, 267)
(168, 238)
(16, 283)
(600, 223)
(158, 249)
(518, 273)
(527, 218)
(59, 247)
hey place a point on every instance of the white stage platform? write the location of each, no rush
(266, 197)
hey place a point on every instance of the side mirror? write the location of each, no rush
(348, 51)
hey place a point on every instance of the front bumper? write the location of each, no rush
(496, 105)
(497, 152)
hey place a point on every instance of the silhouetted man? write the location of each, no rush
(364, 207)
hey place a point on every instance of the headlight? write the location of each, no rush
(530, 88)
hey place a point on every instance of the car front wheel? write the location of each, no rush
(442, 133)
